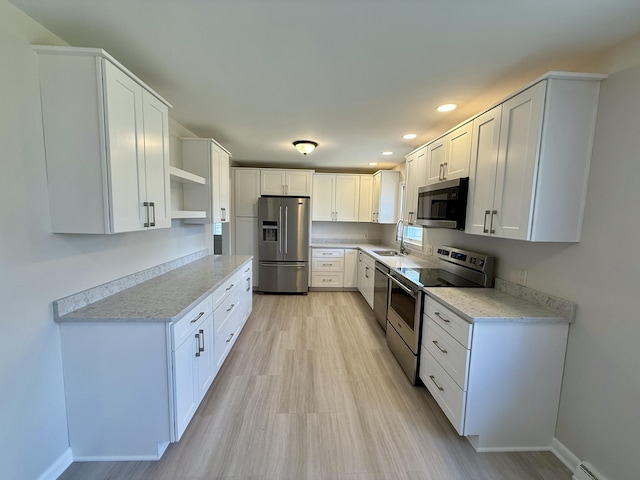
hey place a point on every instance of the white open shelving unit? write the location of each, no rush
(182, 176)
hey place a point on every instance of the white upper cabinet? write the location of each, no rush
(448, 157)
(386, 184)
(416, 172)
(207, 158)
(246, 191)
(528, 180)
(294, 183)
(106, 143)
(337, 197)
(364, 205)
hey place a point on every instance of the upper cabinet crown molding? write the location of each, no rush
(100, 181)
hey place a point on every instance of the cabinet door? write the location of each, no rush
(246, 239)
(347, 198)
(124, 119)
(324, 186)
(298, 183)
(482, 174)
(246, 192)
(389, 189)
(364, 206)
(205, 363)
(156, 158)
(436, 158)
(361, 277)
(375, 198)
(458, 152)
(520, 130)
(186, 395)
(350, 267)
(216, 209)
(272, 182)
(223, 185)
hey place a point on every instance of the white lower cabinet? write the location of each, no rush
(366, 276)
(335, 268)
(132, 387)
(498, 382)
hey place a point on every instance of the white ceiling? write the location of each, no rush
(353, 75)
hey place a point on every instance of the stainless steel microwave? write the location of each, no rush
(444, 204)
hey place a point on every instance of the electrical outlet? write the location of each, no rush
(429, 249)
(521, 277)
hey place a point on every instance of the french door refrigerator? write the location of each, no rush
(283, 244)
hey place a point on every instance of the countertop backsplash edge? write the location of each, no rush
(563, 307)
(71, 303)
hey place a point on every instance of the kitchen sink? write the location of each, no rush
(387, 253)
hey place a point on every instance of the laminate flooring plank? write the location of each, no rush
(310, 391)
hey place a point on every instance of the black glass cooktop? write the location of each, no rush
(434, 277)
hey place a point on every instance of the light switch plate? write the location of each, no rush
(429, 249)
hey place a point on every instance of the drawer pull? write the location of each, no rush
(230, 337)
(197, 318)
(433, 379)
(247, 270)
(327, 253)
(231, 307)
(327, 264)
(444, 319)
(229, 288)
(326, 279)
(435, 342)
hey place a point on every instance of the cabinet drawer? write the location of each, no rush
(335, 265)
(326, 279)
(226, 308)
(451, 356)
(449, 396)
(451, 322)
(187, 324)
(223, 290)
(328, 253)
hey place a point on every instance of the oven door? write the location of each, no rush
(405, 307)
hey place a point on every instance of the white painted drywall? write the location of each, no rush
(37, 267)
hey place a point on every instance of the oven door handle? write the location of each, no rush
(409, 291)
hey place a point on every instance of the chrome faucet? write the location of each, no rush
(400, 224)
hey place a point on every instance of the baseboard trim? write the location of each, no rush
(117, 458)
(512, 449)
(566, 456)
(58, 467)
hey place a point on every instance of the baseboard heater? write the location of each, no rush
(586, 472)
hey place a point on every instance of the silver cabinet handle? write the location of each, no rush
(435, 342)
(491, 230)
(440, 172)
(366, 271)
(444, 319)
(484, 225)
(231, 307)
(326, 279)
(248, 284)
(146, 206)
(436, 383)
(445, 165)
(223, 214)
(197, 318)
(197, 344)
(248, 268)
(229, 339)
(327, 264)
(201, 349)
(153, 209)
(229, 288)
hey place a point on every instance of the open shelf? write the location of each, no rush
(186, 177)
(188, 214)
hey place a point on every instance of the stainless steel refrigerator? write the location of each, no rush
(283, 250)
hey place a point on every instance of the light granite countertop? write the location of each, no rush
(165, 298)
(493, 305)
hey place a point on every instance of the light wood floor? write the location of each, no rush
(311, 391)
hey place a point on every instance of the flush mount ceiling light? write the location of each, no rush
(373, 164)
(447, 107)
(409, 136)
(305, 146)
(387, 153)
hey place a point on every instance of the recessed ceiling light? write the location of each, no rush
(447, 107)
(409, 136)
(387, 153)
(373, 164)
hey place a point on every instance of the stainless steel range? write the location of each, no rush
(457, 268)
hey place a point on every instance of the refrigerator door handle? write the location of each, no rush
(286, 229)
(280, 229)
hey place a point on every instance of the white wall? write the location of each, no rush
(355, 231)
(599, 416)
(37, 267)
